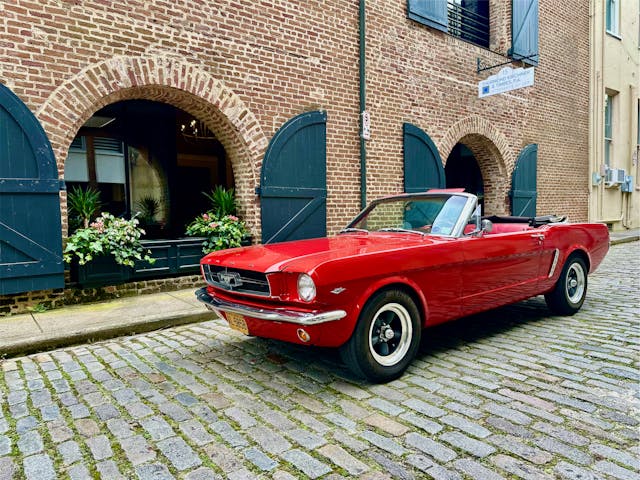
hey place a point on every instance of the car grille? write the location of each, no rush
(236, 280)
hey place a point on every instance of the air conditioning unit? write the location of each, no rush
(627, 186)
(615, 177)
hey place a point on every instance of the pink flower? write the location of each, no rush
(213, 225)
(232, 217)
(205, 216)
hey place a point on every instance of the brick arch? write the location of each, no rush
(493, 154)
(167, 80)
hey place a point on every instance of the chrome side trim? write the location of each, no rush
(275, 314)
(554, 263)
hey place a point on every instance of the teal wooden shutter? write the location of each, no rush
(524, 31)
(293, 183)
(432, 13)
(524, 183)
(422, 164)
(30, 231)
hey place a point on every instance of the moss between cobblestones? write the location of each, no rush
(136, 427)
(84, 448)
(289, 467)
(205, 459)
(11, 433)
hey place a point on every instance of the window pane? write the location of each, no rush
(612, 16)
(75, 168)
(110, 168)
(607, 117)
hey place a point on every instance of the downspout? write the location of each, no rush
(363, 107)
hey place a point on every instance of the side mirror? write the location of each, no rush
(486, 226)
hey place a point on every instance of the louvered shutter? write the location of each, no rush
(524, 31)
(432, 13)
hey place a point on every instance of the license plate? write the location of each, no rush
(237, 322)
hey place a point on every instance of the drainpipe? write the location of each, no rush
(363, 106)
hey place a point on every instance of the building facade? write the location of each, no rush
(615, 114)
(280, 88)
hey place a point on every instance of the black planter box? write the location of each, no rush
(172, 258)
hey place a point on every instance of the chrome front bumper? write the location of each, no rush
(275, 314)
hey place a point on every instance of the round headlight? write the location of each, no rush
(306, 287)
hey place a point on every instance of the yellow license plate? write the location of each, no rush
(237, 322)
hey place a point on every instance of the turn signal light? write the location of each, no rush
(303, 335)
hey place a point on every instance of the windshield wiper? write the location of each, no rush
(352, 229)
(403, 230)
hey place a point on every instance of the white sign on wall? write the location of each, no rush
(506, 80)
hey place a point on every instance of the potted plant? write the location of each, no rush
(83, 206)
(220, 226)
(223, 201)
(109, 247)
(223, 232)
(148, 207)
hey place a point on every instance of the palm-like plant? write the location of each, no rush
(149, 207)
(223, 201)
(84, 203)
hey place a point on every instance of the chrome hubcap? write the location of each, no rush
(390, 334)
(576, 281)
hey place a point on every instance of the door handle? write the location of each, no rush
(538, 236)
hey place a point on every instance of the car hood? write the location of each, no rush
(306, 255)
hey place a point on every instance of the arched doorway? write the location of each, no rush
(151, 160)
(480, 155)
(170, 81)
(462, 171)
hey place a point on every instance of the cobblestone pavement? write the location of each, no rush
(513, 393)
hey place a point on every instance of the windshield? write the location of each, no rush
(437, 215)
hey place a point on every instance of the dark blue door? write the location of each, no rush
(30, 232)
(422, 164)
(524, 183)
(293, 184)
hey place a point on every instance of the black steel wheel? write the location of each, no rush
(386, 337)
(571, 289)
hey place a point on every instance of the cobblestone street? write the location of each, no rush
(512, 393)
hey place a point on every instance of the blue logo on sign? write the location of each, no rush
(485, 89)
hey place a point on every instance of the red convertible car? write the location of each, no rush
(404, 263)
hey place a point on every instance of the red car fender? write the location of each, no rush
(380, 284)
(582, 250)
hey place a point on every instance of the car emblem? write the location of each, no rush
(229, 279)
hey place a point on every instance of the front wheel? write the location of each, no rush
(386, 337)
(568, 295)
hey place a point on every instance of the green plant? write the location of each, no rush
(108, 235)
(84, 204)
(220, 232)
(39, 308)
(149, 207)
(223, 201)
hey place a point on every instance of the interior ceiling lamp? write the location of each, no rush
(196, 131)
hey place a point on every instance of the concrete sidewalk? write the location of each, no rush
(32, 332)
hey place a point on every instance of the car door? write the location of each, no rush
(499, 269)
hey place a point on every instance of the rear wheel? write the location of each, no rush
(386, 337)
(571, 289)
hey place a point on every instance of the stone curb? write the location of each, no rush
(63, 339)
(630, 238)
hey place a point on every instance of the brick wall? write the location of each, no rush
(246, 67)
(50, 299)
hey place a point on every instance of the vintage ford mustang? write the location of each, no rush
(404, 263)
